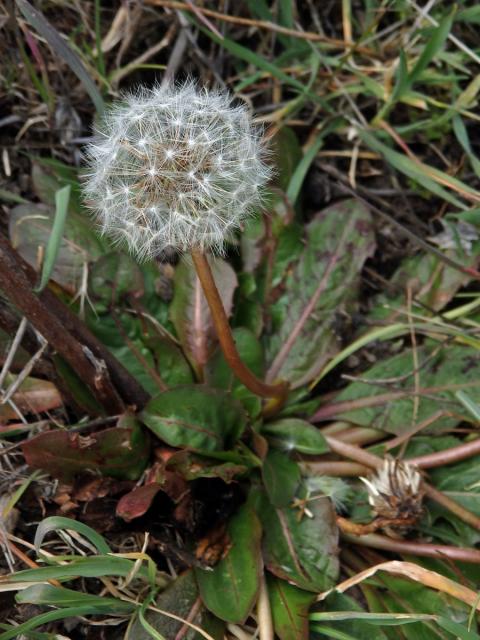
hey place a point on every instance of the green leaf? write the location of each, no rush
(452, 365)
(287, 154)
(281, 478)
(219, 374)
(113, 277)
(422, 174)
(89, 567)
(61, 48)
(298, 548)
(190, 313)
(46, 594)
(230, 589)
(289, 606)
(295, 434)
(352, 625)
(51, 616)
(434, 43)
(180, 599)
(303, 166)
(62, 197)
(323, 281)
(196, 417)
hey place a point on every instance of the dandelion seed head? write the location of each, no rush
(175, 167)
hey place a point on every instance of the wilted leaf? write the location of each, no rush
(137, 502)
(293, 434)
(452, 365)
(281, 477)
(33, 396)
(323, 282)
(298, 548)
(180, 598)
(118, 452)
(30, 227)
(192, 467)
(289, 606)
(230, 589)
(190, 312)
(196, 417)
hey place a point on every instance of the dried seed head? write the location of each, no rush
(175, 167)
(395, 493)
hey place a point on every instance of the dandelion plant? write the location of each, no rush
(179, 169)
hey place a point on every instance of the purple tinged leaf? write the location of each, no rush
(190, 313)
(118, 452)
(323, 282)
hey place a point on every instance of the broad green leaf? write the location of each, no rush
(289, 606)
(218, 374)
(444, 367)
(189, 310)
(181, 599)
(171, 364)
(123, 335)
(117, 452)
(113, 277)
(323, 282)
(230, 589)
(62, 197)
(299, 548)
(293, 434)
(281, 478)
(196, 417)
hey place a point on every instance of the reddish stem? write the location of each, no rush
(225, 337)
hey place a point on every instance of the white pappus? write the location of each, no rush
(175, 167)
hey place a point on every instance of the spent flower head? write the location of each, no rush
(175, 167)
(395, 492)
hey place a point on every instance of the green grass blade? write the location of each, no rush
(54, 523)
(458, 630)
(45, 618)
(59, 46)
(303, 166)
(62, 198)
(461, 134)
(47, 594)
(433, 46)
(415, 171)
(471, 406)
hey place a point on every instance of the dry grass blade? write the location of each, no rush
(415, 572)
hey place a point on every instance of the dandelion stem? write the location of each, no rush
(225, 337)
